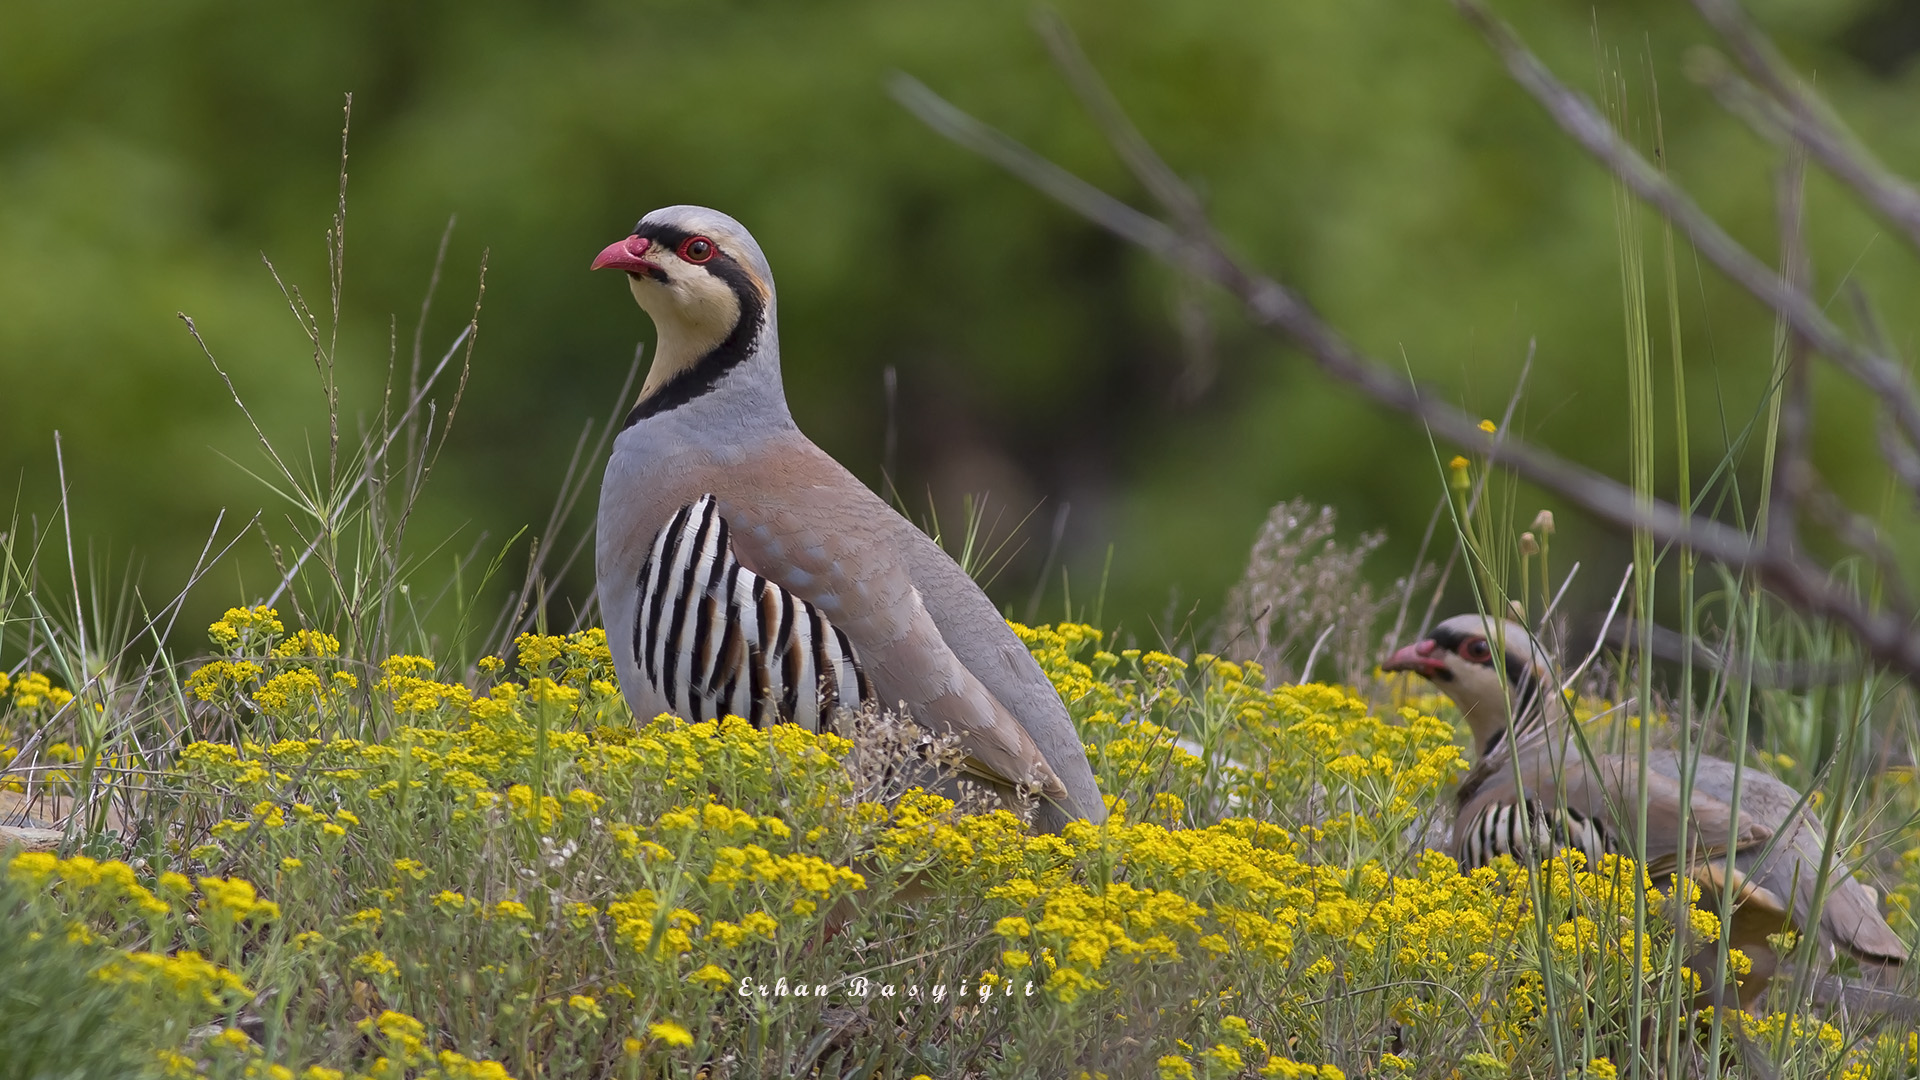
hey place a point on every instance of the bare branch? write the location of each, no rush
(1159, 179)
(1675, 647)
(1808, 119)
(1079, 196)
(1276, 308)
(1900, 457)
(1577, 117)
(1888, 634)
(1856, 531)
(1903, 459)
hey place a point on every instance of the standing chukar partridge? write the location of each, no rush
(743, 571)
(1589, 803)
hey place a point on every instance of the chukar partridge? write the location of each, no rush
(743, 571)
(1768, 852)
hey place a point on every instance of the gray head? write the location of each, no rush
(705, 282)
(1485, 665)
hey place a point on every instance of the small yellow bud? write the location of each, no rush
(1488, 426)
(1460, 481)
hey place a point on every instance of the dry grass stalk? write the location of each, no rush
(1303, 599)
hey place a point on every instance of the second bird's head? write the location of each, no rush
(704, 281)
(1485, 665)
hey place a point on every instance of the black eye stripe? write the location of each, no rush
(675, 239)
(1458, 643)
(1455, 641)
(666, 236)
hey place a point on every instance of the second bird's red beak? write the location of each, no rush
(624, 254)
(1422, 657)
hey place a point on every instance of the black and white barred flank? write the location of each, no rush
(716, 639)
(1502, 829)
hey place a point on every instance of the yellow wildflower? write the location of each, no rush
(670, 1033)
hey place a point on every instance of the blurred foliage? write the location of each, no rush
(1371, 152)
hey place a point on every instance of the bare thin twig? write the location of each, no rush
(516, 617)
(378, 453)
(1857, 532)
(66, 521)
(1564, 582)
(420, 328)
(1479, 485)
(1419, 559)
(1790, 466)
(1612, 610)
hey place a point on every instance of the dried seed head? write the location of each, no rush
(1302, 577)
(892, 754)
(1543, 523)
(1529, 547)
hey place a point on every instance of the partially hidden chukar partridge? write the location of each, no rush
(1768, 852)
(743, 571)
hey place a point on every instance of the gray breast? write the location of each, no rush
(712, 638)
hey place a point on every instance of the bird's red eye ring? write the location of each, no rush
(1477, 651)
(697, 249)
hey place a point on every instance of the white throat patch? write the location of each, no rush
(693, 310)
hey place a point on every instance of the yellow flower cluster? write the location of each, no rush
(515, 865)
(32, 691)
(1270, 750)
(809, 875)
(231, 901)
(101, 902)
(251, 629)
(88, 884)
(645, 926)
(185, 974)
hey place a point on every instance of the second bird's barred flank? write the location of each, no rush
(715, 639)
(1535, 789)
(1528, 835)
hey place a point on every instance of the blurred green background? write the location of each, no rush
(1371, 152)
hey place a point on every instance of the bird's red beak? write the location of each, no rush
(1422, 657)
(624, 254)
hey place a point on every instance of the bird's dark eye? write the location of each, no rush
(1477, 651)
(696, 249)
